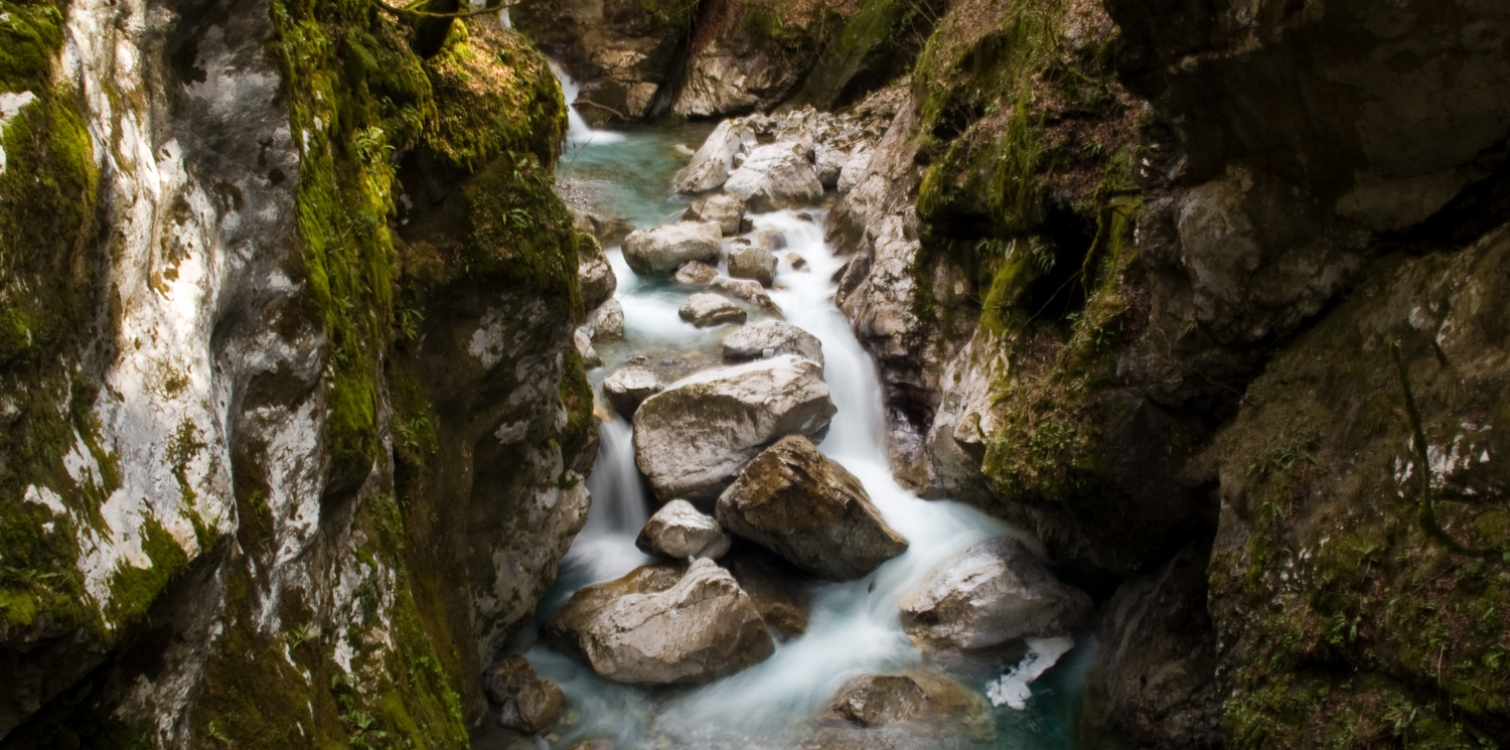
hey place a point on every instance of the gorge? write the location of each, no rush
(594, 374)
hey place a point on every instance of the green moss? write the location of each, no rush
(133, 589)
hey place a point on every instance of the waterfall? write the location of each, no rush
(578, 131)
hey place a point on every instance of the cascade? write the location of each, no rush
(578, 131)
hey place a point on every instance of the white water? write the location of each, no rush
(578, 133)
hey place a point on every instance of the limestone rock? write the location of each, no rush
(770, 238)
(692, 439)
(629, 387)
(664, 249)
(854, 168)
(797, 262)
(778, 589)
(726, 210)
(705, 310)
(775, 177)
(595, 276)
(924, 702)
(748, 290)
(679, 531)
(696, 273)
(663, 625)
(714, 161)
(797, 503)
(751, 262)
(996, 592)
(769, 339)
(607, 322)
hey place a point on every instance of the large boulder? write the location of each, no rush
(680, 531)
(919, 702)
(692, 439)
(725, 210)
(771, 338)
(752, 262)
(714, 161)
(595, 275)
(996, 592)
(775, 177)
(778, 589)
(607, 322)
(706, 310)
(799, 504)
(627, 388)
(749, 290)
(663, 625)
(666, 248)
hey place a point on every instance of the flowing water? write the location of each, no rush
(854, 628)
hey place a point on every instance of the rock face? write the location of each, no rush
(751, 262)
(525, 703)
(996, 592)
(777, 176)
(663, 625)
(595, 276)
(725, 210)
(627, 388)
(692, 439)
(771, 338)
(706, 310)
(679, 531)
(799, 504)
(664, 249)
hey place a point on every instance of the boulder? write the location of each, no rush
(692, 439)
(923, 702)
(595, 276)
(607, 322)
(797, 262)
(775, 177)
(714, 161)
(705, 310)
(725, 210)
(525, 702)
(666, 248)
(679, 531)
(996, 592)
(853, 171)
(752, 262)
(627, 388)
(663, 625)
(771, 338)
(696, 273)
(770, 238)
(748, 290)
(794, 501)
(583, 341)
(778, 589)
(828, 163)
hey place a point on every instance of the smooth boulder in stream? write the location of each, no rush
(803, 506)
(663, 625)
(921, 702)
(777, 176)
(627, 388)
(726, 210)
(680, 531)
(692, 439)
(707, 310)
(664, 249)
(994, 593)
(771, 338)
(748, 261)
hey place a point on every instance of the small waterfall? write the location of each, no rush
(619, 504)
(578, 131)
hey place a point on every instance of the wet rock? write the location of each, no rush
(629, 387)
(607, 322)
(679, 531)
(797, 262)
(663, 625)
(751, 262)
(583, 341)
(775, 177)
(748, 290)
(770, 238)
(692, 439)
(727, 211)
(666, 248)
(769, 339)
(525, 702)
(995, 592)
(778, 589)
(696, 273)
(925, 702)
(595, 275)
(794, 501)
(714, 161)
(706, 310)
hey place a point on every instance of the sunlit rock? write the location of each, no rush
(679, 531)
(666, 248)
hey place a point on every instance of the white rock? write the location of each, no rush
(626, 389)
(726, 210)
(752, 262)
(775, 177)
(770, 338)
(664, 249)
(607, 322)
(748, 290)
(679, 531)
(696, 273)
(714, 162)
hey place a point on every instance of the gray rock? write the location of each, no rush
(996, 592)
(706, 310)
(607, 322)
(663, 625)
(595, 276)
(692, 439)
(727, 211)
(775, 177)
(696, 273)
(829, 163)
(666, 248)
(921, 702)
(794, 501)
(679, 531)
(583, 341)
(751, 262)
(797, 262)
(770, 238)
(714, 161)
(629, 387)
(769, 339)
(853, 171)
(748, 290)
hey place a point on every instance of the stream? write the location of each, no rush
(854, 627)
